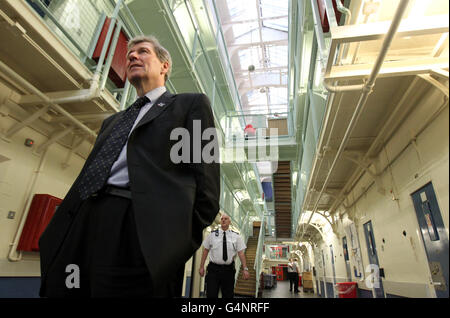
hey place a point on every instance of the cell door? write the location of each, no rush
(434, 237)
(373, 260)
(346, 258)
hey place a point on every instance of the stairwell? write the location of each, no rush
(282, 196)
(247, 287)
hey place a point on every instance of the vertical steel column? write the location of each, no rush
(111, 52)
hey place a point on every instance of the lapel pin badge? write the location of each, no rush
(161, 104)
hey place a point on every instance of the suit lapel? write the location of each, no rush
(107, 131)
(161, 104)
(157, 109)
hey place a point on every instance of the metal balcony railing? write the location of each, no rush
(79, 24)
(259, 254)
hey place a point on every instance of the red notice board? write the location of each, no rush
(41, 211)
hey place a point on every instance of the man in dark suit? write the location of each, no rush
(136, 212)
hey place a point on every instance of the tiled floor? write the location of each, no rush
(281, 290)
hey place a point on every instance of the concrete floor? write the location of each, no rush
(281, 290)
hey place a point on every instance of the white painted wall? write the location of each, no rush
(20, 179)
(411, 167)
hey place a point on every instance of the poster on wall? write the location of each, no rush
(355, 252)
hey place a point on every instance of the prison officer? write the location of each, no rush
(224, 244)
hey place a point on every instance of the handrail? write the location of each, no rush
(344, 10)
(229, 72)
(170, 16)
(60, 27)
(364, 96)
(258, 256)
(99, 77)
(319, 34)
(199, 42)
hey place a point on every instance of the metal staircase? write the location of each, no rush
(282, 196)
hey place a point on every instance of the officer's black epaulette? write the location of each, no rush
(216, 231)
(234, 232)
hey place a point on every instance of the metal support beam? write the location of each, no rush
(17, 127)
(390, 69)
(54, 138)
(83, 117)
(394, 25)
(366, 167)
(443, 88)
(319, 34)
(77, 141)
(376, 31)
(330, 13)
(45, 99)
(440, 73)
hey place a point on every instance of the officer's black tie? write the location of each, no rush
(99, 169)
(225, 253)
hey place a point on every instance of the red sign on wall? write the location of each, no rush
(41, 212)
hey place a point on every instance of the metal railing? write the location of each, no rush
(200, 61)
(260, 122)
(259, 254)
(83, 38)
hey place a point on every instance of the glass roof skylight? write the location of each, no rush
(256, 35)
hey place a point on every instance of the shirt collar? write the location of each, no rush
(156, 93)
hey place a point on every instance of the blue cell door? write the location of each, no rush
(373, 260)
(346, 258)
(434, 237)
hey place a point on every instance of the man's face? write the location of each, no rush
(225, 221)
(143, 64)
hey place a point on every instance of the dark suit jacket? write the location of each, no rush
(172, 203)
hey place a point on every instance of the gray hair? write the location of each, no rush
(160, 51)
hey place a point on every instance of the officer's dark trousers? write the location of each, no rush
(103, 243)
(293, 281)
(220, 277)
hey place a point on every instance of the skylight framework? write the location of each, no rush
(256, 35)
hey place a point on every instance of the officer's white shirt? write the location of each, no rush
(293, 268)
(214, 243)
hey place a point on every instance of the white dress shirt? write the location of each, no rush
(119, 170)
(214, 243)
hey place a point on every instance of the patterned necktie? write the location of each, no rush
(98, 171)
(225, 252)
